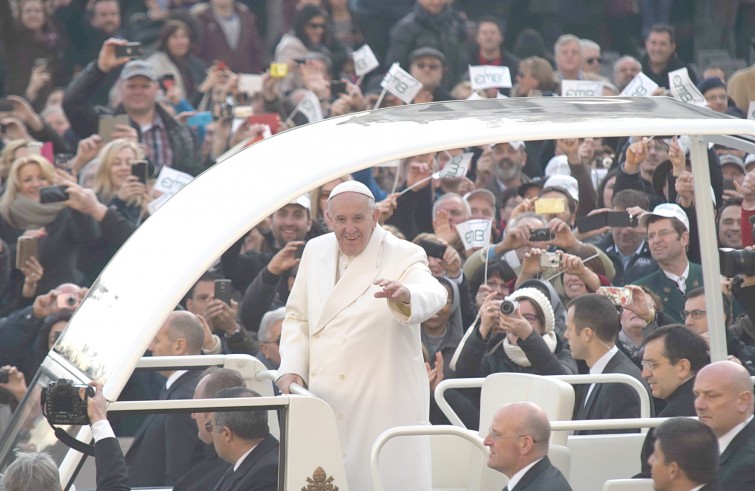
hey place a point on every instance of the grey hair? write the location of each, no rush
(567, 38)
(589, 43)
(529, 214)
(621, 60)
(32, 472)
(246, 424)
(448, 196)
(267, 321)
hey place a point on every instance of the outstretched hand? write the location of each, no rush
(393, 290)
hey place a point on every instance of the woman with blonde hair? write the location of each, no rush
(114, 183)
(59, 230)
(13, 150)
(536, 78)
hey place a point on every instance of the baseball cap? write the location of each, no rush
(427, 51)
(518, 145)
(750, 159)
(535, 182)
(710, 83)
(351, 187)
(563, 183)
(138, 68)
(666, 210)
(728, 159)
(302, 201)
(482, 192)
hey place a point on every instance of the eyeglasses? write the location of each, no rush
(531, 318)
(314, 25)
(650, 365)
(662, 234)
(696, 314)
(431, 66)
(658, 147)
(594, 60)
(495, 436)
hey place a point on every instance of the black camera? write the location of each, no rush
(540, 235)
(736, 261)
(62, 405)
(508, 306)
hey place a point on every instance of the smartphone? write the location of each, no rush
(250, 84)
(34, 148)
(549, 206)
(108, 123)
(273, 120)
(433, 249)
(4, 376)
(53, 194)
(729, 185)
(223, 289)
(591, 222)
(200, 119)
(129, 50)
(620, 219)
(167, 81)
(299, 251)
(619, 296)
(278, 70)
(337, 87)
(67, 301)
(60, 160)
(140, 169)
(540, 235)
(6, 106)
(26, 247)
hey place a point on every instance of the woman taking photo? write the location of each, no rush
(115, 184)
(59, 230)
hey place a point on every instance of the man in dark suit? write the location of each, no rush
(592, 324)
(165, 444)
(672, 357)
(243, 439)
(724, 402)
(518, 441)
(685, 457)
(207, 469)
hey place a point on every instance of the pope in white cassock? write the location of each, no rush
(352, 335)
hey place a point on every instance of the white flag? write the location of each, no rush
(474, 233)
(456, 167)
(488, 77)
(364, 61)
(156, 203)
(683, 89)
(640, 86)
(401, 84)
(581, 88)
(310, 107)
(171, 180)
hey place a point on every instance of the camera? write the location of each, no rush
(62, 405)
(540, 235)
(4, 376)
(549, 260)
(736, 261)
(509, 306)
(67, 301)
(227, 111)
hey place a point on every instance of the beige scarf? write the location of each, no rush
(25, 214)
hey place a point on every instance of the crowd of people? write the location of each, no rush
(101, 96)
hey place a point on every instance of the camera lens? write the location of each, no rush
(71, 301)
(508, 307)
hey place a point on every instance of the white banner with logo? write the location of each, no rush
(488, 77)
(640, 86)
(456, 167)
(364, 61)
(683, 88)
(475, 233)
(581, 88)
(399, 83)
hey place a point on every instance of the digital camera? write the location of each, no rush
(62, 405)
(509, 306)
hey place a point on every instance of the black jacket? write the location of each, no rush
(737, 465)
(258, 471)
(640, 265)
(112, 474)
(543, 476)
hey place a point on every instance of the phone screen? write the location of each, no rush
(140, 169)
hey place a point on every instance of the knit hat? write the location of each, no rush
(541, 300)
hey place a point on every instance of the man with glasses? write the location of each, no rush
(672, 357)
(518, 441)
(668, 238)
(428, 66)
(242, 438)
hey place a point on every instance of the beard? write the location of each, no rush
(506, 170)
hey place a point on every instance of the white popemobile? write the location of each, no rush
(125, 307)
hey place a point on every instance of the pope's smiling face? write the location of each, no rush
(353, 218)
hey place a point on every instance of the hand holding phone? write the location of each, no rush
(53, 194)
(223, 289)
(140, 169)
(433, 249)
(129, 50)
(26, 247)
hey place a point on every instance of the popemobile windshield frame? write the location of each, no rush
(149, 275)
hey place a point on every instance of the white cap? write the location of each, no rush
(302, 201)
(566, 183)
(666, 210)
(557, 165)
(517, 145)
(351, 187)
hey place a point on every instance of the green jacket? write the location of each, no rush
(672, 298)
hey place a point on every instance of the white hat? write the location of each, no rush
(565, 183)
(351, 187)
(537, 296)
(666, 210)
(302, 201)
(485, 193)
(557, 165)
(749, 160)
(517, 145)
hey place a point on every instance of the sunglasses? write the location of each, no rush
(594, 60)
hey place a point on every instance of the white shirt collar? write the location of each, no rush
(600, 365)
(725, 440)
(241, 459)
(174, 376)
(681, 281)
(520, 474)
(698, 488)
